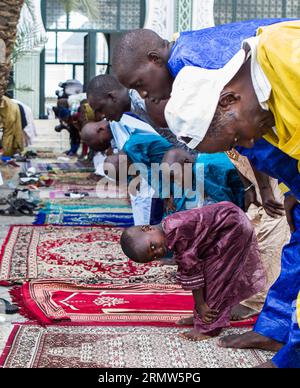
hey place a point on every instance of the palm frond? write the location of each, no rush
(30, 4)
(91, 7)
(88, 7)
(28, 39)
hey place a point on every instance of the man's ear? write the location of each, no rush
(228, 99)
(113, 96)
(155, 57)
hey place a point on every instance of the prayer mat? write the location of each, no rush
(80, 206)
(86, 212)
(61, 167)
(49, 154)
(84, 219)
(54, 302)
(75, 178)
(31, 346)
(89, 254)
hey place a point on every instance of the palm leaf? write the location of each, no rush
(89, 7)
(30, 4)
(28, 39)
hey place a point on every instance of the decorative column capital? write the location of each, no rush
(160, 17)
(203, 14)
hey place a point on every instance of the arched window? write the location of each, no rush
(227, 11)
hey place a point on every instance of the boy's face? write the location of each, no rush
(151, 80)
(111, 108)
(152, 243)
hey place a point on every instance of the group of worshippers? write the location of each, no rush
(17, 124)
(227, 98)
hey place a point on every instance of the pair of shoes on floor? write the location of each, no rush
(8, 308)
(29, 177)
(31, 155)
(18, 208)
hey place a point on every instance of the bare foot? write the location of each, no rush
(240, 313)
(250, 340)
(266, 365)
(196, 336)
(189, 321)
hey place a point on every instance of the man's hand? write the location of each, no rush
(169, 205)
(289, 204)
(272, 207)
(207, 314)
(251, 198)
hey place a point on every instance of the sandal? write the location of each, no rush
(8, 308)
(31, 155)
(3, 200)
(19, 208)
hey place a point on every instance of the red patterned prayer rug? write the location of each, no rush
(54, 302)
(86, 254)
(120, 347)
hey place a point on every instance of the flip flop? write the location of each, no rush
(7, 308)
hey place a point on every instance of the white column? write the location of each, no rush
(203, 14)
(27, 66)
(27, 75)
(160, 17)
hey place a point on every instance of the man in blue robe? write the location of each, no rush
(145, 62)
(273, 329)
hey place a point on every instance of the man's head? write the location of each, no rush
(140, 62)
(97, 135)
(216, 110)
(108, 98)
(144, 244)
(178, 155)
(179, 158)
(112, 166)
(239, 119)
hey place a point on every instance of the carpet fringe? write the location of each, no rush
(18, 299)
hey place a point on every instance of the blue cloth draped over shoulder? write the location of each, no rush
(270, 160)
(221, 182)
(147, 148)
(212, 48)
